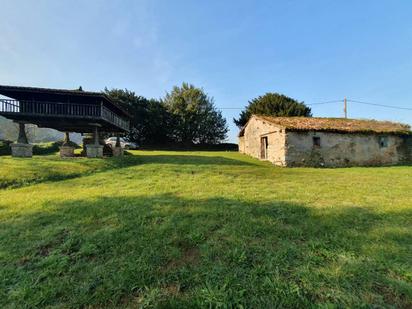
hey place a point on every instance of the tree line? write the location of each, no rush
(187, 115)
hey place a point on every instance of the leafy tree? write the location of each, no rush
(186, 115)
(273, 104)
(158, 123)
(149, 117)
(194, 118)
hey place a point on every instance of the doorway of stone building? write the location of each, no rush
(264, 147)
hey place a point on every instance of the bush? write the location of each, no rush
(50, 148)
(192, 147)
(5, 149)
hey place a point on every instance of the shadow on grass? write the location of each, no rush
(190, 160)
(164, 250)
(119, 163)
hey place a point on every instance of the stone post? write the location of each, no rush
(22, 139)
(66, 150)
(95, 150)
(117, 150)
(22, 148)
(96, 136)
(66, 141)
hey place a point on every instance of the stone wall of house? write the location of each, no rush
(241, 144)
(250, 142)
(337, 149)
(405, 149)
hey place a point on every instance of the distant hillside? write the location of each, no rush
(9, 131)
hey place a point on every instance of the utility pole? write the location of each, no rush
(345, 109)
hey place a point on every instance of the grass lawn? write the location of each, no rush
(202, 229)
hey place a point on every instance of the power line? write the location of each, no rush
(381, 105)
(326, 102)
(337, 101)
(316, 103)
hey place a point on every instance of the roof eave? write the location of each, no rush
(349, 132)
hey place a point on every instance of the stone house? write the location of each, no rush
(330, 142)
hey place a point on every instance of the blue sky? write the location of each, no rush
(313, 51)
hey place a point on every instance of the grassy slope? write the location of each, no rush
(203, 228)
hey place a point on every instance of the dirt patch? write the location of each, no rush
(392, 297)
(23, 261)
(45, 250)
(172, 289)
(189, 256)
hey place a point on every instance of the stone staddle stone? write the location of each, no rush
(94, 151)
(21, 150)
(66, 151)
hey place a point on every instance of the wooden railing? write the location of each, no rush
(111, 117)
(37, 108)
(9, 106)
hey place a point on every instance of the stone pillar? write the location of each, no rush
(66, 141)
(66, 150)
(22, 148)
(117, 150)
(22, 139)
(95, 150)
(96, 136)
(118, 141)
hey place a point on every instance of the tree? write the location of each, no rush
(148, 124)
(273, 104)
(194, 118)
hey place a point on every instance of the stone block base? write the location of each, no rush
(66, 151)
(94, 151)
(21, 150)
(117, 151)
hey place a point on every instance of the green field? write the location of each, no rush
(202, 229)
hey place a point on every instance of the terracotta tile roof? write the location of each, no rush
(341, 125)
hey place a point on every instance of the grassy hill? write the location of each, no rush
(200, 229)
